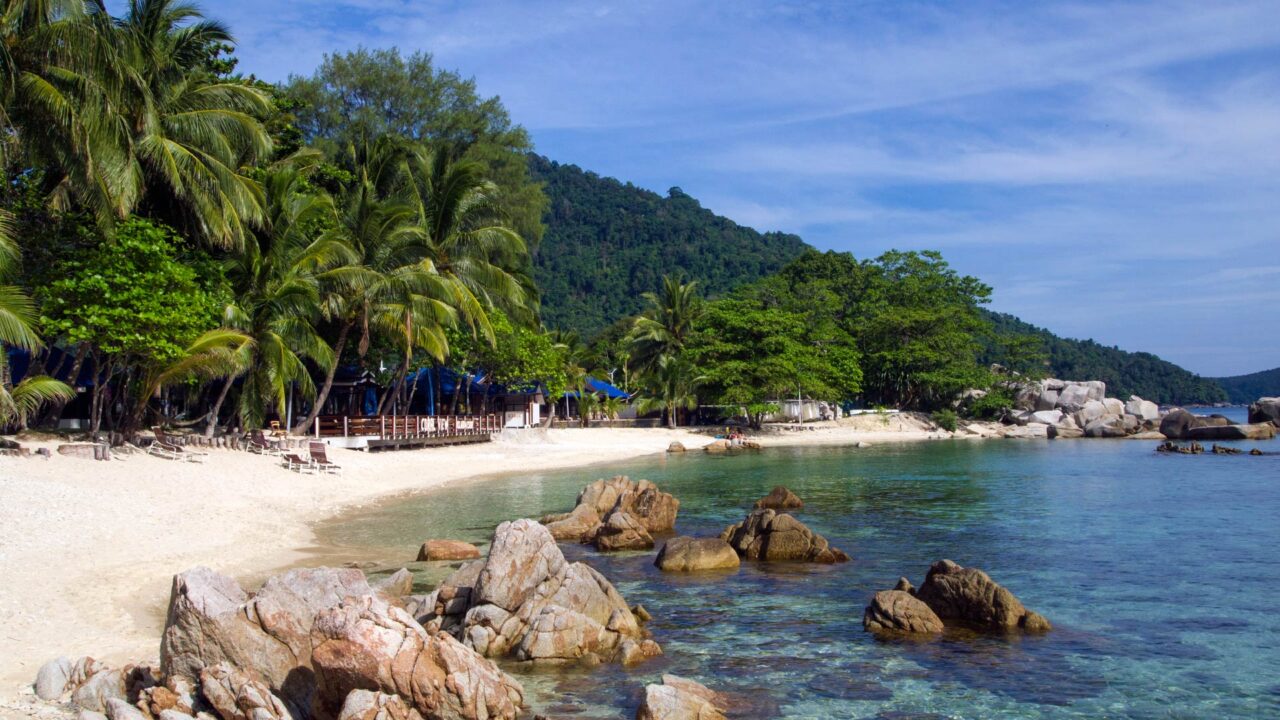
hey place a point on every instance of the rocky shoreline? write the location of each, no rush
(326, 643)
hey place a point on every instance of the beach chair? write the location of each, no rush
(168, 447)
(297, 463)
(259, 443)
(320, 456)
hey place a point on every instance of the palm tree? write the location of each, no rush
(664, 329)
(190, 133)
(17, 314)
(670, 385)
(278, 295)
(56, 82)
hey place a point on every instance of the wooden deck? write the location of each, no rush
(397, 431)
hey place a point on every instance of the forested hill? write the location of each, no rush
(1247, 388)
(1126, 373)
(608, 242)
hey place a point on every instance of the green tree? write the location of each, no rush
(665, 327)
(137, 308)
(669, 386)
(368, 93)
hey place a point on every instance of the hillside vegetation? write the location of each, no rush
(607, 243)
(1243, 389)
(1126, 373)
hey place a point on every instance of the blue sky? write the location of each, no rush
(1112, 169)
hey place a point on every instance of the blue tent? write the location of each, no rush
(600, 386)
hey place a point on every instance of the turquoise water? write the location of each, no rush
(1160, 574)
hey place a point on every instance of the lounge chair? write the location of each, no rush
(166, 446)
(259, 443)
(296, 462)
(320, 456)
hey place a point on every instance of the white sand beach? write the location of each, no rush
(88, 548)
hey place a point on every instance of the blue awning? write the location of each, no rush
(600, 387)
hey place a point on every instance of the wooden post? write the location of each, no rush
(383, 424)
(317, 427)
(346, 427)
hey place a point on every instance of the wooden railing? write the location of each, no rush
(396, 427)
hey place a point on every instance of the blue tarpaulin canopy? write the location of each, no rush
(600, 386)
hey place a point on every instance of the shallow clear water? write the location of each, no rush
(1160, 574)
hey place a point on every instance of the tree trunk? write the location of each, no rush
(671, 417)
(217, 406)
(394, 390)
(304, 427)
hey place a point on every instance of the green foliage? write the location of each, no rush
(992, 405)
(1125, 373)
(519, 357)
(608, 243)
(131, 298)
(355, 96)
(945, 419)
(1243, 389)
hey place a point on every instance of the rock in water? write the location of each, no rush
(212, 620)
(1142, 409)
(1265, 410)
(769, 535)
(623, 532)
(397, 584)
(686, 554)
(898, 611)
(971, 597)
(525, 600)
(680, 699)
(649, 509)
(676, 447)
(780, 498)
(447, 550)
(1257, 431)
(367, 644)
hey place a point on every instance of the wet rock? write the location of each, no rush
(780, 498)
(366, 643)
(631, 652)
(1065, 433)
(1256, 431)
(680, 699)
(898, 611)
(969, 596)
(52, 678)
(1107, 426)
(718, 447)
(395, 585)
(1177, 424)
(528, 602)
(1265, 410)
(432, 550)
(622, 532)
(676, 447)
(686, 554)
(769, 535)
(212, 620)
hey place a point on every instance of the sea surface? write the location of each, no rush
(1160, 573)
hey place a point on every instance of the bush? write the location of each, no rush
(992, 405)
(946, 420)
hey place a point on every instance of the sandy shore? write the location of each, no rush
(88, 548)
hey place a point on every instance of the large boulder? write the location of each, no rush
(371, 705)
(769, 535)
(1107, 426)
(365, 643)
(1092, 410)
(686, 554)
(898, 611)
(1046, 417)
(648, 507)
(1178, 423)
(432, 550)
(780, 498)
(1265, 410)
(53, 677)
(1113, 406)
(680, 699)
(1046, 400)
(1073, 397)
(970, 597)
(211, 619)
(526, 601)
(1257, 431)
(1142, 409)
